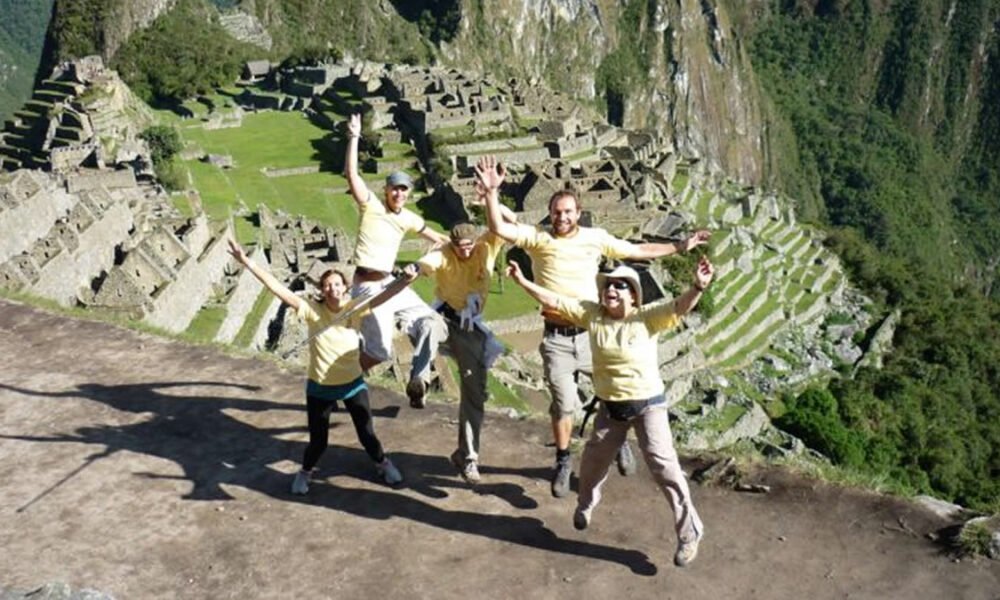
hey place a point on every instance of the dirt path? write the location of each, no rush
(152, 469)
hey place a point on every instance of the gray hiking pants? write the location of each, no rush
(652, 428)
(468, 349)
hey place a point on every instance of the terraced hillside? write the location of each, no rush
(276, 171)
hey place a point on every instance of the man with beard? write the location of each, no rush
(565, 258)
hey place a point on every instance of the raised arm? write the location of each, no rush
(438, 239)
(359, 189)
(548, 299)
(702, 278)
(270, 281)
(658, 250)
(490, 174)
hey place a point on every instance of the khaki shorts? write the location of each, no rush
(564, 358)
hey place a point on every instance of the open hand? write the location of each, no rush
(490, 173)
(354, 126)
(697, 239)
(514, 271)
(704, 272)
(236, 251)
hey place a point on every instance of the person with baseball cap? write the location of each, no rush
(462, 271)
(627, 382)
(565, 258)
(383, 225)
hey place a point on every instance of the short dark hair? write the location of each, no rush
(564, 194)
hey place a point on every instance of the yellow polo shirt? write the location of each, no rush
(568, 265)
(626, 363)
(381, 232)
(454, 278)
(335, 354)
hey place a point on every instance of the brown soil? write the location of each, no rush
(148, 468)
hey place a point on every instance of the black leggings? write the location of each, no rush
(319, 427)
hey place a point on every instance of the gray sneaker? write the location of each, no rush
(687, 551)
(468, 469)
(415, 391)
(581, 519)
(300, 485)
(388, 471)
(560, 480)
(626, 460)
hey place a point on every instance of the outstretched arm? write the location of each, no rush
(490, 175)
(270, 281)
(548, 299)
(438, 239)
(702, 278)
(657, 250)
(359, 189)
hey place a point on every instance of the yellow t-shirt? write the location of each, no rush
(568, 265)
(455, 278)
(335, 354)
(381, 232)
(626, 363)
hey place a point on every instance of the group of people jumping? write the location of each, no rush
(595, 323)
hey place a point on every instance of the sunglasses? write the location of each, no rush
(617, 284)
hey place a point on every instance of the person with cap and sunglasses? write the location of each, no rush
(627, 382)
(383, 225)
(565, 258)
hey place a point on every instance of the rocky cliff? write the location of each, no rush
(675, 66)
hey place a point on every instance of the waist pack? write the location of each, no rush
(626, 410)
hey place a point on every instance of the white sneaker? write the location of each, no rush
(388, 471)
(300, 486)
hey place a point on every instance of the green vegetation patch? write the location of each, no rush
(270, 140)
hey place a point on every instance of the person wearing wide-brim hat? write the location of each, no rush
(627, 382)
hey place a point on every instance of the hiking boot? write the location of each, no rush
(468, 469)
(300, 485)
(388, 472)
(415, 391)
(687, 551)
(560, 480)
(581, 519)
(626, 460)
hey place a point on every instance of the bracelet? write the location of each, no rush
(701, 289)
(351, 136)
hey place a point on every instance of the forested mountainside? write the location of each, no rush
(22, 34)
(879, 119)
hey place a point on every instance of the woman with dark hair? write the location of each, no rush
(335, 373)
(627, 382)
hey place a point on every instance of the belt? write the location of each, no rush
(565, 330)
(449, 313)
(366, 274)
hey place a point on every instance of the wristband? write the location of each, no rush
(701, 289)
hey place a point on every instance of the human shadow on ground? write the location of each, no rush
(195, 432)
(213, 448)
(525, 531)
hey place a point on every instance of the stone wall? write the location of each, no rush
(176, 304)
(89, 180)
(26, 219)
(72, 270)
(241, 301)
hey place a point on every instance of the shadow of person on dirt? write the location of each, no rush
(524, 531)
(213, 448)
(195, 432)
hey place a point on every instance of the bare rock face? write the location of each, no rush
(700, 90)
